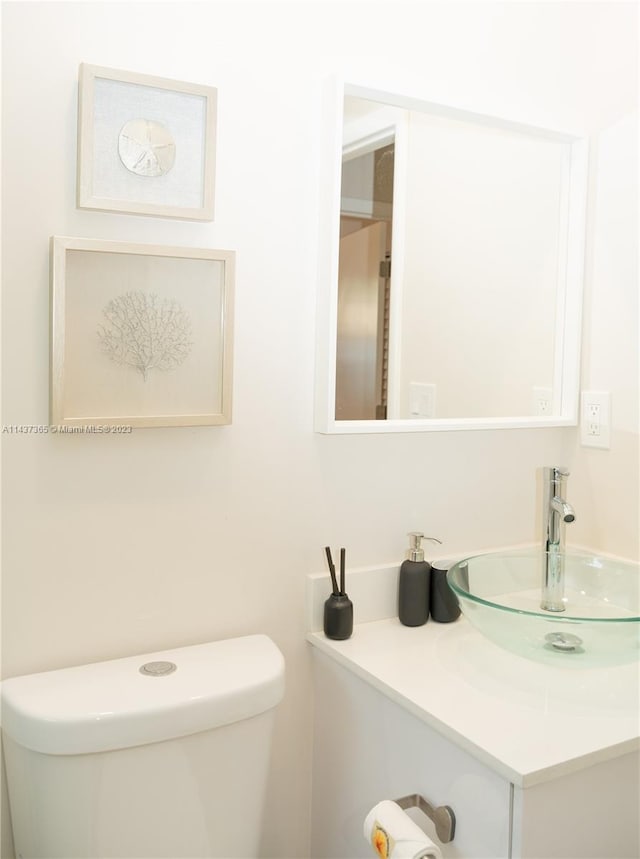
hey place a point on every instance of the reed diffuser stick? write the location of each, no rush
(332, 570)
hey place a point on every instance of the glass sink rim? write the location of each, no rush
(529, 555)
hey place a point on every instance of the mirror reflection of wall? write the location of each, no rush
(483, 211)
(467, 324)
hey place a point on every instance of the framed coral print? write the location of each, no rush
(141, 335)
(146, 145)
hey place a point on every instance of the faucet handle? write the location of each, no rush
(557, 471)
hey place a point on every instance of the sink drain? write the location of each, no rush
(564, 642)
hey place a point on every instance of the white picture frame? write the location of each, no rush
(146, 145)
(141, 335)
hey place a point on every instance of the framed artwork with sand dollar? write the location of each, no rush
(141, 335)
(146, 145)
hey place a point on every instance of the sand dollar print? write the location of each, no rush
(146, 147)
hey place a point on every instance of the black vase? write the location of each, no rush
(338, 617)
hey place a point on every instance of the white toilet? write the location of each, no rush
(162, 755)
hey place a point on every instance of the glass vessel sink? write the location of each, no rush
(500, 595)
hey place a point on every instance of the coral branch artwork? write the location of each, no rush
(146, 332)
(141, 334)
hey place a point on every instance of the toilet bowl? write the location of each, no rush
(161, 755)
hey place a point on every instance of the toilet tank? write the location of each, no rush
(161, 755)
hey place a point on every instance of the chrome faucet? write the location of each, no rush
(555, 512)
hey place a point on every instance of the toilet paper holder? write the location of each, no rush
(442, 816)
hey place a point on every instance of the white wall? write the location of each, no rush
(126, 544)
(606, 482)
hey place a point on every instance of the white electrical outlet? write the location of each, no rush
(542, 401)
(422, 400)
(595, 420)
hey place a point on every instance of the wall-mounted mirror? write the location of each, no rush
(450, 295)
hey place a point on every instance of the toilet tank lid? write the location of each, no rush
(113, 705)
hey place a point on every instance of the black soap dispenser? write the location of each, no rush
(414, 582)
(443, 603)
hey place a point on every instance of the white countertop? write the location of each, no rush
(527, 721)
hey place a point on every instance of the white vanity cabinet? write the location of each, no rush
(367, 748)
(590, 814)
(492, 752)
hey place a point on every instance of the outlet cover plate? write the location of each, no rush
(422, 400)
(595, 419)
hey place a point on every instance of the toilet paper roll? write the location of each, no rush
(393, 835)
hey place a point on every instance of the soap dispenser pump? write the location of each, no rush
(414, 583)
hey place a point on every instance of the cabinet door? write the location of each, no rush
(368, 748)
(590, 814)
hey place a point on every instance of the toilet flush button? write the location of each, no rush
(158, 669)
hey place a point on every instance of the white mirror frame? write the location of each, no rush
(568, 311)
